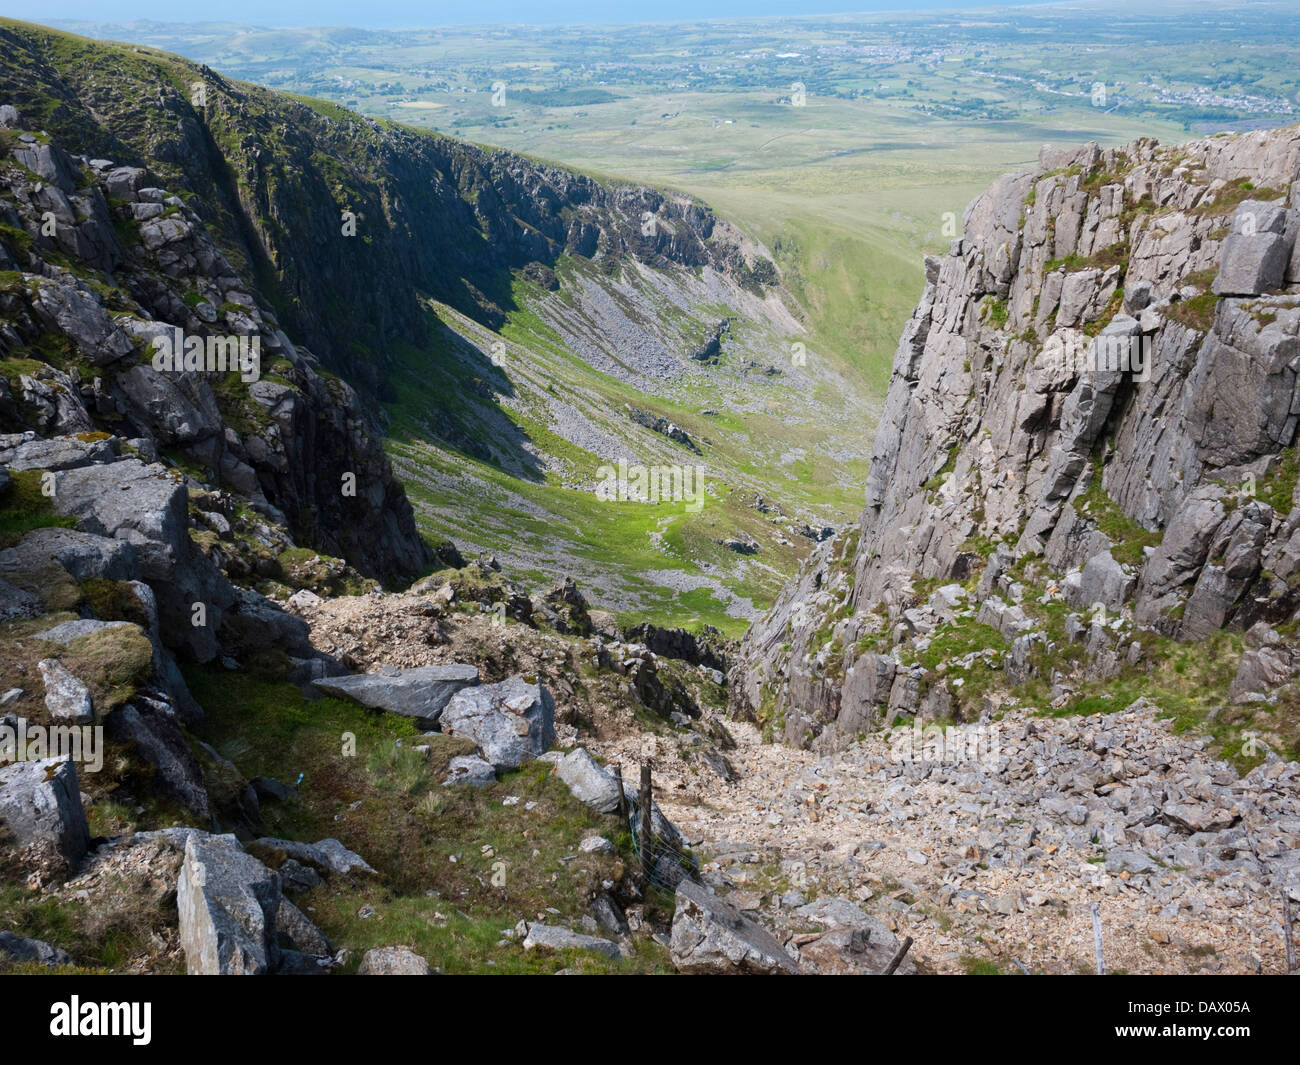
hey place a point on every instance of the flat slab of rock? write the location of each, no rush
(710, 936)
(420, 693)
(71, 630)
(41, 800)
(228, 903)
(554, 937)
(392, 961)
(511, 722)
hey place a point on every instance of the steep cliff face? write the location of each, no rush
(1086, 457)
(348, 226)
(99, 268)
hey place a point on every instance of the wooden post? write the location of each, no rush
(644, 801)
(897, 959)
(1096, 938)
(1286, 933)
(622, 796)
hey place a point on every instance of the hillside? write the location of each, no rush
(512, 327)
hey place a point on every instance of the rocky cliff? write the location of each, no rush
(347, 225)
(1085, 468)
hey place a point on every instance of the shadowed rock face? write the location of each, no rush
(1005, 406)
(40, 802)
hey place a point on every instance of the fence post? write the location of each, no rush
(1286, 933)
(645, 840)
(1096, 939)
(622, 797)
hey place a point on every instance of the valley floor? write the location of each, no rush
(995, 872)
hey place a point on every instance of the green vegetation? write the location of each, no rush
(457, 865)
(1129, 539)
(24, 507)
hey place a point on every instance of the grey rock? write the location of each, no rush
(157, 737)
(66, 698)
(17, 949)
(421, 693)
(1255, 254)
(296, 932)
(469, 769)
(511, 722)
(710, 936)
(72, 630)
(588, 781)
(228, 903)
(17, 603)
(341, 860)
(392, 961)
(40, 801)
(553, 937)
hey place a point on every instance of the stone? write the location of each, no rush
(157, 737)
(17, 603)
(66, 698)
(511, 722)
(341, 860)
(18, 950)
(392, 961)
(1260, 671)
(1104, 581)
(420, 693)
(553, 937)
(597, 845)
(71, 630)
(588, 781)
(710, 936)
(40, 801)
(83, 555)
(1255, 253)
(469, 769)
(296, 932)
(228, 903)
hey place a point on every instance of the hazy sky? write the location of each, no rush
(447, 12)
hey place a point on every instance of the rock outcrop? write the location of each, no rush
(1094, 405)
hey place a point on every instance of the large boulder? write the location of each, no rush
(588, 781)
(853, 943)
(228, 903)
(83, 555)
(147, 506)
(510, 722)
(711, 936)
(1255, 253)
(421, 693)
(40, 801)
